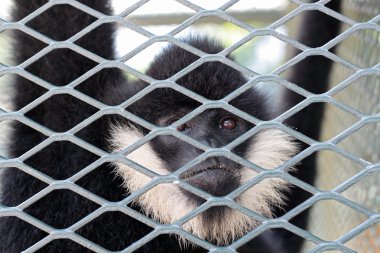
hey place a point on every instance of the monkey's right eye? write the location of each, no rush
(228, 123)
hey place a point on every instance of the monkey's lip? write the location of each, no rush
(191, 173)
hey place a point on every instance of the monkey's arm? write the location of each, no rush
(59, 113)
(312, 74)
(60, 160)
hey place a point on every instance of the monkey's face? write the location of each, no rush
(217, 176)
(215, 128)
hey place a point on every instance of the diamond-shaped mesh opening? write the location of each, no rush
(61, 203)
(331, 127)
(18, 192)
(259, 192)
(362, 148)
(19, 227)
(338, 170)
(148, 13)
(104, 50)
(326, 215)
(117, 224)
(111, 186)
(114, 97)
(33, 138)
(321, 16)
(79, 158)
(68, 116)
(60, 246)
(60, 59)
(260, 14)
(9, 40)
(90, 129)
(257, 148)
(260, 245)
(147, 107)
(61, 22)
(366, 54)
(125, 49)
(142, 59)
(32, 92)
(266, 49)
(345, 75)
(319, 62)
(362, 101)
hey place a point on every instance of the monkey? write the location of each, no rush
(105, 185)
(214, 128)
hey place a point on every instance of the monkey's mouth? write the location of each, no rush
(191, 173)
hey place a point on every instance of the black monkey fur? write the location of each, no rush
(60, 160)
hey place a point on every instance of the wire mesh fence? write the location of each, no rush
(356, 71)
(361, 94)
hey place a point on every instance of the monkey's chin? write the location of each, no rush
(220, 225)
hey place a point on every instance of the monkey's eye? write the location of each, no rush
(228, 123)
(180, 128)
(183, 127)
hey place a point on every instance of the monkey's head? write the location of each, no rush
(215, 128)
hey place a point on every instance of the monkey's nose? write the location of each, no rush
(217, 181)
(210, 141)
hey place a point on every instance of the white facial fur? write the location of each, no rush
(166, 203)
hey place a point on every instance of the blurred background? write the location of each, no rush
(162, 16)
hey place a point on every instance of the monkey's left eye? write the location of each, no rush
(180, 128)
(183, 127)
(228, 123)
